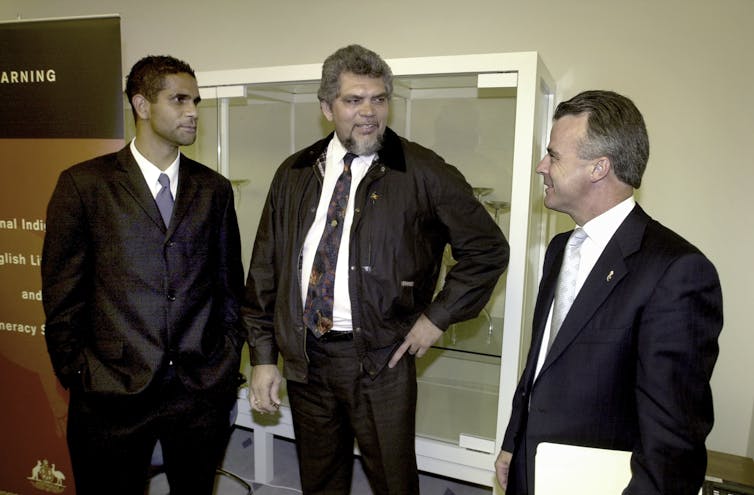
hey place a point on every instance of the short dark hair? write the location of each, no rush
(357, 60)
(615, 128)
(147, 76)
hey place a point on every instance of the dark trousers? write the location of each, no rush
(341, 403)
(111, 440)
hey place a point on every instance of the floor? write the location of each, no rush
(239, 460)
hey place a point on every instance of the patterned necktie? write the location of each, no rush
(164, 199)
(566, 290)
(319, 297)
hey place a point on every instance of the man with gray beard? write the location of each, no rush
(342, 278)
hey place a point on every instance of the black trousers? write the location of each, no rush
(341, 403)
(111, 440)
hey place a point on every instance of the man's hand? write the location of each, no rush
(265, 387)
(502, 465)
(421, 337)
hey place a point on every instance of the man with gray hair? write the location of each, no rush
(342, 278)
(625, 327)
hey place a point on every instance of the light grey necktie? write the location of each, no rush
(566, 290)
(164, 199)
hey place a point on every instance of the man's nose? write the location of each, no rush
(367, 107)
(543, 165)
(192, 109)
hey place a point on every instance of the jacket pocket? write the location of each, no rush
(109, 350)
(406, 298)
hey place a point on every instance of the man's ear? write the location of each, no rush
(600, 168)
(141, 106)
(326, 110)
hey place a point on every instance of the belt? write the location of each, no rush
(334, 336)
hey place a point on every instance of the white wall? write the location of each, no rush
(686, 63)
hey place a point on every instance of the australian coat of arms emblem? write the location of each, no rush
(45, 477)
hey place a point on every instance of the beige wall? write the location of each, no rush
(687, 64)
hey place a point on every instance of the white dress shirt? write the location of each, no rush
(333, 169)
(599, 231)
(151, 172)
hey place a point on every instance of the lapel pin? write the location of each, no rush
(374, 196)
(610, 275)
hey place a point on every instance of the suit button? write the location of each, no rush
(171, 296)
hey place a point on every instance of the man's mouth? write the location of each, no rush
(367, 127)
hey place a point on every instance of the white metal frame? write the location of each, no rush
(534, 102)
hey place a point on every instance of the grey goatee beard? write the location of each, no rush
(350, 144)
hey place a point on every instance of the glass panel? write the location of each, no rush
(472, 129)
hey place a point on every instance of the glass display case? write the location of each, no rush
(486, 114)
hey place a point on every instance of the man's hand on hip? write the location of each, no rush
(421, 337)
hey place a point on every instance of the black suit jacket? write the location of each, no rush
(630, 367)
(123, 295)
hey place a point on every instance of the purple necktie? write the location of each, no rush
(319, 297)
(164, 199)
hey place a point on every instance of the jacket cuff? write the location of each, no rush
(439, 316)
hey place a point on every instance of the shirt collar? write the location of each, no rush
(601, 228)
(152, 172)
(337, 151)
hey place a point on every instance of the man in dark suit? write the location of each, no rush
(142, 303)
(630, 365)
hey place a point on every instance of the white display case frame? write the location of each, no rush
(472, 459)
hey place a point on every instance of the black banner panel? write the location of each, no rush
(51, 79)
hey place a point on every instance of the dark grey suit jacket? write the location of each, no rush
(124, 296)
(630, 367)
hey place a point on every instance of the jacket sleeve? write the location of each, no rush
(66, 280)
(258, 308)
(479, 249)
(230, 272)
(677, 349)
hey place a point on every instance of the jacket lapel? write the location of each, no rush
(606, 274)
(545, 296)
(133, 181)
(187, 189)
